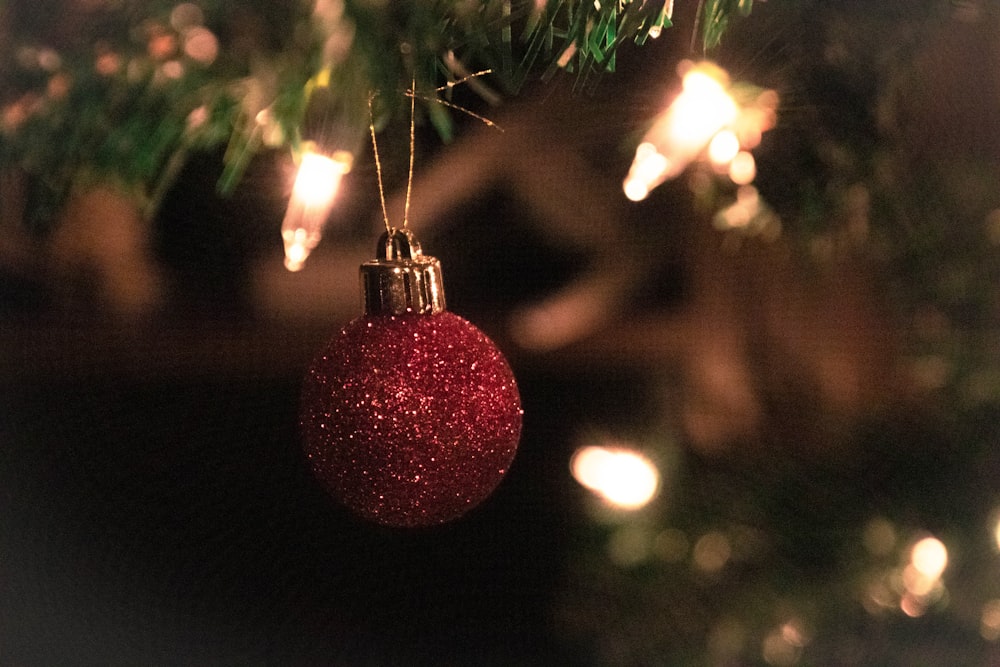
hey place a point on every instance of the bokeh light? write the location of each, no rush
(743, 168)
(710, 119)
(879, 536)
(929, 557)
(783, 645)
(989, 622)
(623, 477)
(313, 193)
(723, 148)
(201, 44)
(712, 552)
(186, 15)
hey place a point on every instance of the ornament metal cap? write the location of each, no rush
(401, 279)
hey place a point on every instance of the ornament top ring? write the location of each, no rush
(411, 415)
(401, 279)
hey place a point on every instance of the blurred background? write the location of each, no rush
(761, 408)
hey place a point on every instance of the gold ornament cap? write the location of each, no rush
(401, 279)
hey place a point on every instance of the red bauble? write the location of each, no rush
(412, 418)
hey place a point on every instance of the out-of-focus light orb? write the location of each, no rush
(201, 44)
(743, 168)
(723, 148)
(783, 645)
(920, 579)
(930, 557)
(295, 249)
(197, 117)
(879, 596)
(989, 621)
(49, 60)
(917, 583)
(172, 69)
(746, 210)
(996, 530)
(879, 537)
(703, 78)
(185, 16)
(702, 109)
(622, 477)
(648, 168)
(778, 651)
(711, 552)
(636, 190)
(271, 131)
(794, 632)
(912, 606)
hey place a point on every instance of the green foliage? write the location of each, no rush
(114, 91)
(715, 18)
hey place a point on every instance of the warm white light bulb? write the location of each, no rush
(702, 109)
(623, 477)
(743, 168)
(710, 120)
(930, 557)
(313, 194)
(647, 171)
(683, 130)
(723, 148)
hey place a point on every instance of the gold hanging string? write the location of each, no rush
(451, 105)
(409, 173)
(412, 94)
(467, 77)
(378, 164)
(437, 100)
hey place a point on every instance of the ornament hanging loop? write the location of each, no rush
(401, 279)
(397, 244)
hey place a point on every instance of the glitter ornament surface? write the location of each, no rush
(412, 419)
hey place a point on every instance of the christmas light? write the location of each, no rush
(929, 557)
(989, 624)
(749, 212)
(782, 646)
(622, 477)
(711, 552)
(723, 147)
(313, 193)
(709, 119)
(920, 579)
(742, 168)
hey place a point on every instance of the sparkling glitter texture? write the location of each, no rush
(412, 419)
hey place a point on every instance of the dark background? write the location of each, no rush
(156, 507)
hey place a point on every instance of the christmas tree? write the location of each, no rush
(742, 264)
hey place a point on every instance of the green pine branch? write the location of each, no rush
(110, 92)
